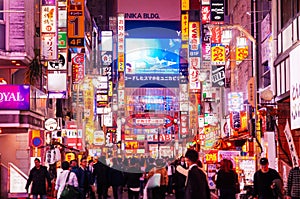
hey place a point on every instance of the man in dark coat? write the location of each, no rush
(101, 175)
(38, 176)
(85, 178)
(197, 185)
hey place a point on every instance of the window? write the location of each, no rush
(289, 10)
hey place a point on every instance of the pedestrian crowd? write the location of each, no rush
(150, 178)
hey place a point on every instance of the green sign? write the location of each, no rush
(62, 40)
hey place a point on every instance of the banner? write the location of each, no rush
(290, 141)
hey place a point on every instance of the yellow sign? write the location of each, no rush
(185, 4)
(185, 27)
(217, 54)
(121, 62)
(241, 53)
(76, 22)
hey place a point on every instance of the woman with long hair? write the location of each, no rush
(226, 180)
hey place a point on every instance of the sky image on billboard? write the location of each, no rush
(152, 53)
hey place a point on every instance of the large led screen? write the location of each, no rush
(152, 54)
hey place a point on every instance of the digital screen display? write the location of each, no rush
(152, 56)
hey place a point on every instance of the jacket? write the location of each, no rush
(38, 178)
(197, 185)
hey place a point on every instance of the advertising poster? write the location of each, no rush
(218, 76)
(14, 97)
(229, 155)
(246, 167)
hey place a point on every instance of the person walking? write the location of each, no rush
(293, 184)
(264, 181)
(226, 181)
(101, 175)
(179, 178)
(171, 171)
(38, 175)
(62, 177)
(196, 183)
(132, 179)
(116, 179)
(159, 192)
(85, 180)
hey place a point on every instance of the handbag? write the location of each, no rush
(69, 191)
(154, 181)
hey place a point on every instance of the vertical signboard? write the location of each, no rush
(48, 30)
(77, 67)
(217, 54)
(218, 76)
(217, 11)
(121, 42)
(76, 23)
(194, 81)
(294, 88)
(194, 39)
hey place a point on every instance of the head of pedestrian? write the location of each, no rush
(83, 162)
(65, 165)
(37, 163)
(264, 165)
(191, 157)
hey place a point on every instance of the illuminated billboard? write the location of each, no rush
(152, 54)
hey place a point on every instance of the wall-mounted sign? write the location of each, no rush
(76, 23)
(218, 76)
(51, 124)
(48, 19)
(14, 97)
(48, 46)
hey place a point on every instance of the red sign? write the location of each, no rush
(205, 14)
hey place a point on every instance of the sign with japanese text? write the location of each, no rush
(194, 74)
(241, 53)
(194, 39)
(216, 35)
(184, 27)
(48, 19)
(48, 46)
(121, 33)
(164, 80)
(76, 23)
(211, 157)
(62, 39)
(77, 60)
(206, 54)
(295, 88)
(217, 54)
(205, 14)
(106, 58)
(185, 4)
(184, 123)
(48, 2)
(217, 11)
(218, 76)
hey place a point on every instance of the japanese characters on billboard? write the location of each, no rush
(194, 39)
(121, 42)
(217, 54)
(77, 60)
(195, 84)
(217, 11)
(76, 23)
(48, 46)
(48, 30)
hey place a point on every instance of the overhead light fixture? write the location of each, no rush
(18, 64)
(13, 61)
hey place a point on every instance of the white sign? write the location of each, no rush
(295, 88)
(99, 138)
(51, 124)
(290, 141)
(17, 179)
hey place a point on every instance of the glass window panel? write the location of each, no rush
(282, 77)
(287, 69)
(1, 8)
(278, 85)
(2, 36)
